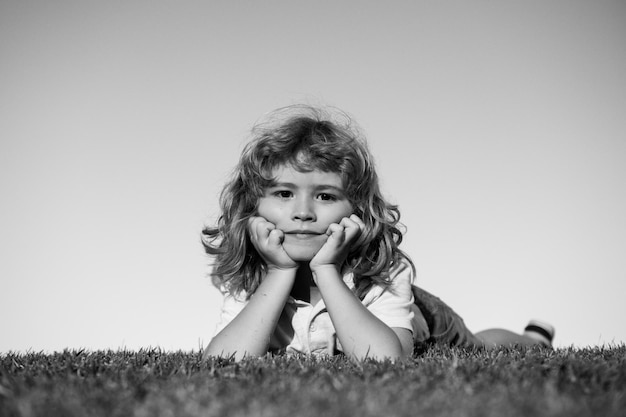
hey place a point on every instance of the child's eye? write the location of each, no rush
(283, 194)
(327, 197)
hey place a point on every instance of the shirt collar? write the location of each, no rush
(347, 279)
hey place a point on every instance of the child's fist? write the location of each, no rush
(268, 241)
(341, 237)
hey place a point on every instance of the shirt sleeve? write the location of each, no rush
(231, 306)
(393, 305)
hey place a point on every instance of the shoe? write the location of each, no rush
(540, 331)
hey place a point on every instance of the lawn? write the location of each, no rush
(438, 382)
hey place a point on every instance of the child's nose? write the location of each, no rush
(303, 210)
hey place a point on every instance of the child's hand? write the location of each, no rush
(340, 239)
(268, 241)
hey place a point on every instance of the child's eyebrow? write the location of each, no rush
(318, 187)
(330, 187)
(275, 184)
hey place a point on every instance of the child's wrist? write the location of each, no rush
(282, 270)
(324, 271)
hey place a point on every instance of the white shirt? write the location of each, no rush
(306, 328)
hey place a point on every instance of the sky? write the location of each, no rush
(497, 127)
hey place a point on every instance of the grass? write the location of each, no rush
(439, 382)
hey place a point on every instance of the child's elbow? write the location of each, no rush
(405, 337)
(212, 352)
(217, 349)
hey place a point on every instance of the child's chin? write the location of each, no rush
(301, 254)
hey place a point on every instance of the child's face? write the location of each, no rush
(303, 205)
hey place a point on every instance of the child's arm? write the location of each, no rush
(250, 331)
(361, 333)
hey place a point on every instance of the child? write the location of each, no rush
(307, 253)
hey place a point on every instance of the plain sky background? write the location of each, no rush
(498, 127)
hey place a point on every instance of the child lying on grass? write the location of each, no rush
(306, 252)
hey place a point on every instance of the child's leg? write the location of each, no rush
(444, 324)
(492, 338)
(447, 327)
(536, 333)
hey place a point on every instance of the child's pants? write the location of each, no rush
(444, 324)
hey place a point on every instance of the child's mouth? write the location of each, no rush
(302, 234)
